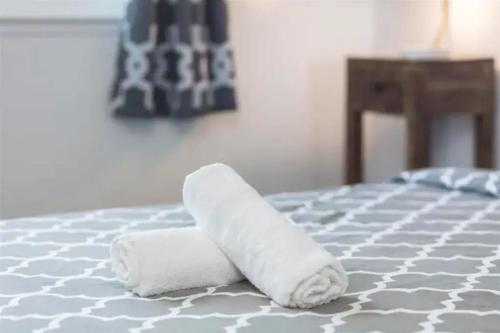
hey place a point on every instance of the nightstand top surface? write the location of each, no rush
(404, 59)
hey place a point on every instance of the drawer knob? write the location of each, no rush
(379, 86)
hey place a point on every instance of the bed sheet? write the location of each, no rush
(419, 258)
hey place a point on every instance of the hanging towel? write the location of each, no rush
(276, 256)
(174, 59)
(157, 261)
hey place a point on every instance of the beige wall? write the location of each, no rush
(61, 150)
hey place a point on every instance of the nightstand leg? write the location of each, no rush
(418, 141)
(485, 136)
(354, 148)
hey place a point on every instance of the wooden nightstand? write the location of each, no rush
(419, 90)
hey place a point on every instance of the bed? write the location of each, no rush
(422, 254)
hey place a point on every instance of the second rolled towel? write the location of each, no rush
(276, 256)
(157, 261)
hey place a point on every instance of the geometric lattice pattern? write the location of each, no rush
(419, 259)
(473, 180)
(174, 59)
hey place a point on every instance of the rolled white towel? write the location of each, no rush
(157, 261)
(276, 256)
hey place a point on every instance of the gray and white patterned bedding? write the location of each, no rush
(419, 258)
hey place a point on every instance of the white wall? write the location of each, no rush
(61, 150)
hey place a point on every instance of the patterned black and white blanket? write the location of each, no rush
(423, 255)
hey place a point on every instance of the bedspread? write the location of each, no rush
(419, 258)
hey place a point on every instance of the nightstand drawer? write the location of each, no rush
(372, 88)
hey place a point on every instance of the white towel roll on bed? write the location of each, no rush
(276, 256)
(157, 261)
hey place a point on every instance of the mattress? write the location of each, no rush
(422, 254)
